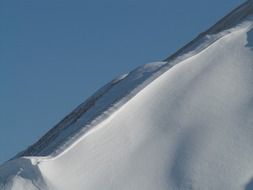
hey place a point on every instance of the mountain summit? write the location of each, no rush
(185, 123)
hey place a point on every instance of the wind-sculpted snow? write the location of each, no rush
(203, 40)
(23, 174)
(95, 109)
(186, 124)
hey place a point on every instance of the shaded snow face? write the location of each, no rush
(191, 128)
(188, 129)
(21, 174)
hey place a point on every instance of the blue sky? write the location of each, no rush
(56, 53)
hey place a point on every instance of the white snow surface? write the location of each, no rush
(186, 127)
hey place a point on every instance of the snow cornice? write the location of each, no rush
(230, 20)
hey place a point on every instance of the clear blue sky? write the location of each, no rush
(55, 53)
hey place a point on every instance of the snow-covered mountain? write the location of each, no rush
(185, 123)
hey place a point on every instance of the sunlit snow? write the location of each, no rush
(185, 124)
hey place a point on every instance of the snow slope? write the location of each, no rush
(182, 124)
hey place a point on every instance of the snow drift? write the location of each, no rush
(182, 124)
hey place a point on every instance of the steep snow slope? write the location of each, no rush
(184, 127)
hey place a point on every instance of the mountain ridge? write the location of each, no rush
(185, 124)
(196, 46)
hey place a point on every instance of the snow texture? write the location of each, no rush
(182, 124)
